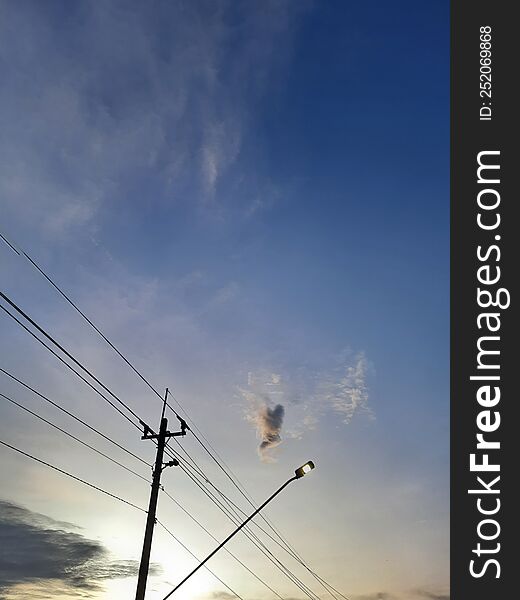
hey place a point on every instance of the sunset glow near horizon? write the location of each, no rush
(250, 200)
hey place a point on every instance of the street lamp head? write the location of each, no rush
(308, 466)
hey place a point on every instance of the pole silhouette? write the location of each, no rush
(159, 466)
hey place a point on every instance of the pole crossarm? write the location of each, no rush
(149, 434)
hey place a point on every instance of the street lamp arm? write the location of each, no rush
(251, 516)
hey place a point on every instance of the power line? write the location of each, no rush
(9, 244)
(141, 477)
(21, 252)
(68, 354)
(236, 521)
(90, 322)
(102, 491)
(73, 416)
(58, 428)
(141, 422)
(45, 345)
(145, 479)
(230, 475)
(137, 475)
(91, 485)
(96, 379)
(285, 547)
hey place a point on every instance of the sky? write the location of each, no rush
(250, 200)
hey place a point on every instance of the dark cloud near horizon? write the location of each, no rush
(419, 594)
(38, 550)
(222, 595)
(377, 596)
(431, 595)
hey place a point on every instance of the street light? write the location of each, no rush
(308, 466)
(298, 474)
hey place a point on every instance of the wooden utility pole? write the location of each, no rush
(161, 438)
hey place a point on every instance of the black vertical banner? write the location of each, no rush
(485, 248)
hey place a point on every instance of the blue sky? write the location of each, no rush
(251, 200)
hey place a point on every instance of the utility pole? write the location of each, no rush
(161, 438)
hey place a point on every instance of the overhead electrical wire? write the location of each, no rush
(273, 559)
(66, 352)
(21, 252)
(91, 485)
(45, 345)
(48, 336)
(77, 362)
(72, 436)
(73, 416)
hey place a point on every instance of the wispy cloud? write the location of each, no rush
(124, 94)
(344, 388)
(305, 396)
(42, 558)
(221, 147)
